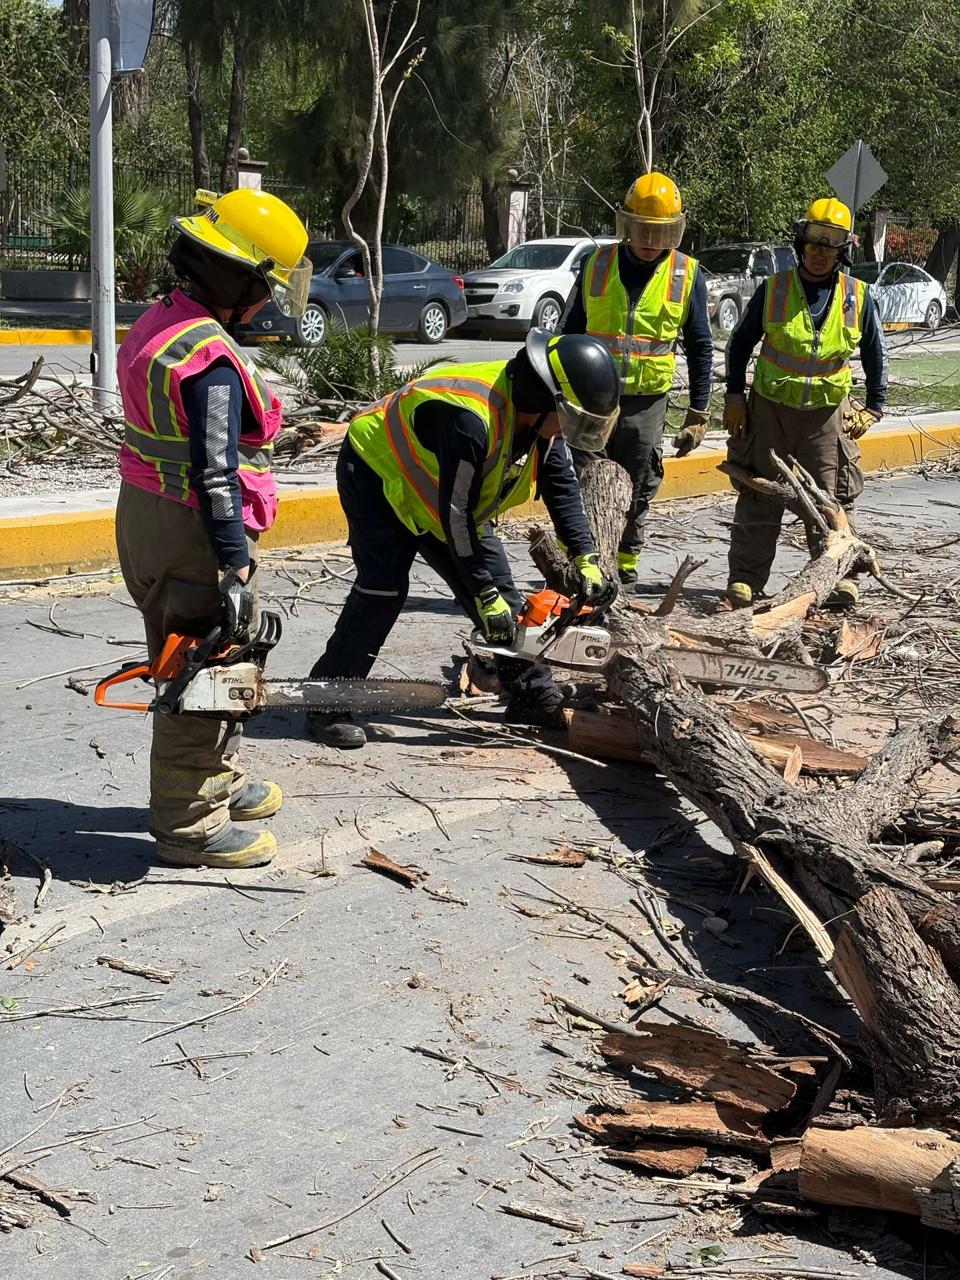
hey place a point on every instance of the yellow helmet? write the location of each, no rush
(257, 230)
(652, 213)
(828, 222)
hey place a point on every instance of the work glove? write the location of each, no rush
(735, 414)
(496, 617)
(237, 605)
(691, 434)
(597, 588)
(857, 421)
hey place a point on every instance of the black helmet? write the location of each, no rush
(582, 378)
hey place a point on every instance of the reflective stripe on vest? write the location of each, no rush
(798, 365)
(384, 438)
(642, 340)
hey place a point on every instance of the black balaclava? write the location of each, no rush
(216, 281)
(528, 393)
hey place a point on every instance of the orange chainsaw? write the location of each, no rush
(563, 632)
(205, 676)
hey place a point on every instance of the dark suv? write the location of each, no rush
(733, 272)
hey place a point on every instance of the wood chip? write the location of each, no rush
(562, 857)
(792, 765)
(645, 1270)
(662, 1157)
(717, 1124)
(860, 640)
(377, 861)
(697, 1059)
(543, 1213)
(139, 970)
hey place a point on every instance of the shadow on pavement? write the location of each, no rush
(77, 842)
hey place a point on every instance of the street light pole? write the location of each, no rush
(103, 359)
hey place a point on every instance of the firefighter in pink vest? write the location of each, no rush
(197, 491)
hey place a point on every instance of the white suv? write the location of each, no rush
(528, 286)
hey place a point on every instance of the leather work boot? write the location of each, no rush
(231, 847)
(256, 800)
(844, 595)
(336, 730)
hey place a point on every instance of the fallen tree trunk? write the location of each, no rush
(823, 839)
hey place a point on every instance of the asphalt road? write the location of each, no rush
(271, 1084)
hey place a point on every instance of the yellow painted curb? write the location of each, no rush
(78, 542)
(51, 337)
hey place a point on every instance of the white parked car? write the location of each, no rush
(528, 286)
(905, 294)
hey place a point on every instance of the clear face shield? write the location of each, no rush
(291, 288)
(650, 233)
(824, 235)
(583, 430)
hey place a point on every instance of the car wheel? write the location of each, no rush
(312, 326)
(728, 313)
(433, 324)
(547, 313)
(933, 315)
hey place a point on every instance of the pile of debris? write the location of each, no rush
(817, 823)
(46, 417)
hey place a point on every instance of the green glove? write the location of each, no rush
(496, 617)
(596, 587)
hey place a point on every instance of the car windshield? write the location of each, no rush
(867, 271)
(534, 257)
(322, 255)
(725, 259)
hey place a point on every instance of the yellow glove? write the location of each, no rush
(691, 435)
(857, 421)
(734, 414)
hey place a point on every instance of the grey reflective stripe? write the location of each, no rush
(214, 478)
(678, 278)
(621, 345)
(804, 366)
(601, 267)
(177, 449)
(255, 457)
(466, 386)
(459, 514)
(849, 298)
(369, 591)
(424, 486)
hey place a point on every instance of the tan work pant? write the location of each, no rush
(171, 572)
(816, 439)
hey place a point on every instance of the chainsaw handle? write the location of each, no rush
(132, 671)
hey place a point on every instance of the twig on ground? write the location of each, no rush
(218, 1013)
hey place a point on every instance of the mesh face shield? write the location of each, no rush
(291, 287)
(650, 233)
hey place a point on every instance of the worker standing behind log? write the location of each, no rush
(640, 298)
(811, 319)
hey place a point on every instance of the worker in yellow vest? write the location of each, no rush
(641, 297)
(810, 319)
(427, 470)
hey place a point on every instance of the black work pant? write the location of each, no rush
(384, 550)
(637, 445)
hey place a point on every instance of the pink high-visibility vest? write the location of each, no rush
(177, 339)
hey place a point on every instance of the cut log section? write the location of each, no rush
(899, 1170)
(661, 1157)
(698, 1059)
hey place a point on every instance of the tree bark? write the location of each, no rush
(229, 173)
(198, 140)
(944, 252)
(490, 202)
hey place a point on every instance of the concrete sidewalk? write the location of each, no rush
(73, 533)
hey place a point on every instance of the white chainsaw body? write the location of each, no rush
(582, 648)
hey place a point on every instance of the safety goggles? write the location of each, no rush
(582, 429)
(824, 235)
(290, 286)
(650, 233)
